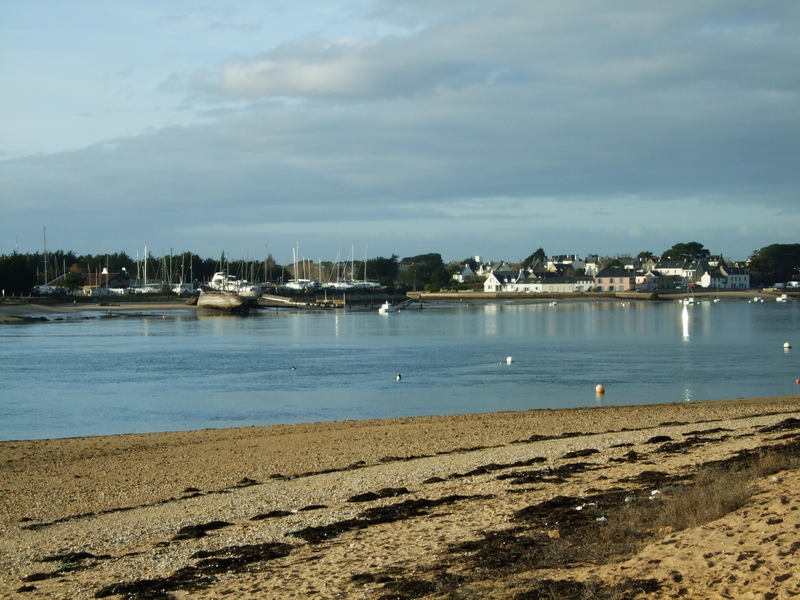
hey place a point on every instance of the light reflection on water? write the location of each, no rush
(144, 373)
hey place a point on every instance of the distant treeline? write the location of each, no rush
(19, 273)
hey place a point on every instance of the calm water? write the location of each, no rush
(145, 373)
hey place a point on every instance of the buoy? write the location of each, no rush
(787, 345)
(399, 377)
(797, 380)
(509, 360)
(163, 316)
(600, 389)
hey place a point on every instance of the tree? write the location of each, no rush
(777, 263)
(689, 251)
(383, 269)
(441, 276)
(471, 263)
(73, 280)
(418, 274)
(17, 275)
(644, 256)
(432, 257)
(538, 259)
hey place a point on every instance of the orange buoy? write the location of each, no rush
(600, 389)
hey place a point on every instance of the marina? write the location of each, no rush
(187, 369)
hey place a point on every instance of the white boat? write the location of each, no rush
(783, 298)
(757, 299)
(222, 282)
(387, 307)
(303, 285)
(183, 289)
(220, 300)
(689, 299)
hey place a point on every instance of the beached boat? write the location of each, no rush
(783, 298)
(220, 300)
(222, 282)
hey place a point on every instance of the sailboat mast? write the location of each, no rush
(44, 233)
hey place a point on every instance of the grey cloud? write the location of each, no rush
(499, 107)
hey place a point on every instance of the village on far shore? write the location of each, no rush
(559, 274)
(570, 273)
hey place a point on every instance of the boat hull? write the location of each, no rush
(221, 301)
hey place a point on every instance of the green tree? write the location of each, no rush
(686, 251)
(418, 270)
(536, 261)
(431, 258)
(441, 277)
(471, 263)
(777, 263)
(73, 280)
(383, 269)
(644, 256)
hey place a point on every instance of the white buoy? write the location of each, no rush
(509, 360)
(787, 345)
(600, 389)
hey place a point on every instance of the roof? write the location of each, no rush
(666, 263)
(614, 272)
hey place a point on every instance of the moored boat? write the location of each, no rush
(223, 301)
(387, 307)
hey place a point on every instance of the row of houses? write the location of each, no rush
(651, 275)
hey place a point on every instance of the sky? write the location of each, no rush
(374, 127)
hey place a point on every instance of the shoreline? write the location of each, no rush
(82, 515)
(15, 312)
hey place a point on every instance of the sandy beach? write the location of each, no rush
(476, 506)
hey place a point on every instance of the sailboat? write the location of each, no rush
(689, 299)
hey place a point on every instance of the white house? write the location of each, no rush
(726, 278)
(522, 284)
(591, 265)
(464, 274)
(565, 285)
(501, 281)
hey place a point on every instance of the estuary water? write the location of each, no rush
(155, 371)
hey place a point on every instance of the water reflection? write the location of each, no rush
(685, 322)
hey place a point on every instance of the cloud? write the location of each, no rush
(345, 70)
(602, 126)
